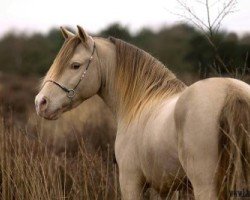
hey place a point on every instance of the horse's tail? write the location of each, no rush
(234, 146)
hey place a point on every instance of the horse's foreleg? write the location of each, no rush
(131, 184)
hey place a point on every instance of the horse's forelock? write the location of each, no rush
(65, 54)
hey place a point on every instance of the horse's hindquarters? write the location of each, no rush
(197, 116)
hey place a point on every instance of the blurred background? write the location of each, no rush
(178, 33)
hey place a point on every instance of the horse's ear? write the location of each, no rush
(66, 34)
(82, 34)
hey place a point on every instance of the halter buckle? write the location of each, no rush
(71, 93)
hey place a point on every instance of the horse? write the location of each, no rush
(168, 133)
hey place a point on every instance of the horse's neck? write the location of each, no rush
(107, 58)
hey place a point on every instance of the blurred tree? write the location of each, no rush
(118, 31)
(203, 57)
(200, 54)
(11, 49)
(181, 47)
(145, 39)
(29, 55)
(172, 45)
(245, 39)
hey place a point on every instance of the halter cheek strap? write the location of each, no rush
(71, 92)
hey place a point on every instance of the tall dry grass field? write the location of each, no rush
(31, 170)
(70, 158)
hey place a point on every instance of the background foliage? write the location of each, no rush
(181, 47)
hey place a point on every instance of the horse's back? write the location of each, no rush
(206, 97)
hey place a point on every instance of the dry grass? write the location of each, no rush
(31, 170)
(71, 158)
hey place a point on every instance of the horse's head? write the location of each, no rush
(73, 77)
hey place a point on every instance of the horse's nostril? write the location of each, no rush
(43, 102)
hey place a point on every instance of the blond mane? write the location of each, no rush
(140, 79)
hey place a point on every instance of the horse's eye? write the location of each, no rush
(75, 66)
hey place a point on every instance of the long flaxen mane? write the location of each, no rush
(140, 79)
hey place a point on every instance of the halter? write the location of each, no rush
(71, 92)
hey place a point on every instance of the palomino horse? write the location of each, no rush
(165, 130)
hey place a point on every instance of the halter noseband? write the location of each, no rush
(71, 92)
